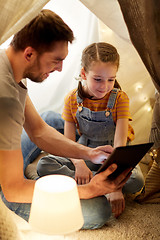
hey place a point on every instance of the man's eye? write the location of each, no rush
(110, 80)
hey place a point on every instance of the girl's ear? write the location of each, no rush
(83, 74)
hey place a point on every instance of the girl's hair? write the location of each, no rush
(95, 52)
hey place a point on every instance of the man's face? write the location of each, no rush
(47, 63)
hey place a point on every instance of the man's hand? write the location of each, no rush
(99, 154)
(82, 173)
(101, 185)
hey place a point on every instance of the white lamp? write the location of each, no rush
(56, 208)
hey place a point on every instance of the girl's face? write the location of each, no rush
(100, 79)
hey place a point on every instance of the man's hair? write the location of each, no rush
(42, 32)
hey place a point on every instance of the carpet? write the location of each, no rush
(138, 221)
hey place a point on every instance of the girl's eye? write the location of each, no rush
(97, 79)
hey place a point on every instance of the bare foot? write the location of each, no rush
(117, 202)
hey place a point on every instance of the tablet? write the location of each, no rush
(125, 157)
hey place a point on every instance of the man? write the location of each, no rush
(36, 51)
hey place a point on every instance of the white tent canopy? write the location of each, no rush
(91, 21)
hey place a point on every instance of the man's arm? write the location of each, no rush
(51, 141)
(18, 189)
(14, 186)
(100, 185)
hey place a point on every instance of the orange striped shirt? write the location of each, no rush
(120, 109)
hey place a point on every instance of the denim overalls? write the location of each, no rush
(97, 128)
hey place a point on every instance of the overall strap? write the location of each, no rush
(112, 98)
(79, 100)
(79, 103)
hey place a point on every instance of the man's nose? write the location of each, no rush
(58, 67)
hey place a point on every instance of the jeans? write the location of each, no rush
(29, 150)
(96, 211)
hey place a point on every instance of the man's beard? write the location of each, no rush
(31, 71)
(31, 76)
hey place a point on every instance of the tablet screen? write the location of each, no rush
(125, 157)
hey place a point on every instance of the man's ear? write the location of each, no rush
(83, 74)
(29, 54)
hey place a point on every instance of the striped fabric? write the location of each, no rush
(151, 191)
(120, 110)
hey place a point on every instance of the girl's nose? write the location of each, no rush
(103, 85)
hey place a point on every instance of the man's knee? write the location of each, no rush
(54, 120)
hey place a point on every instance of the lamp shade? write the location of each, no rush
(56, 206)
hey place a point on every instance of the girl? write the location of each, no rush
(99, 109)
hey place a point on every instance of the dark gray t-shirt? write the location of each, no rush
(12, 104)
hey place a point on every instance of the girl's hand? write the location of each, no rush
(83, 174)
